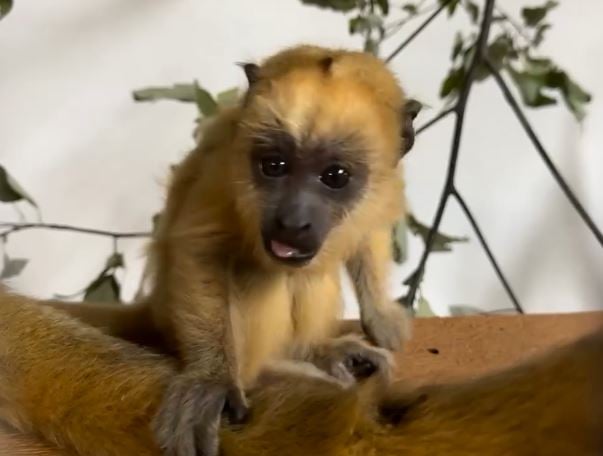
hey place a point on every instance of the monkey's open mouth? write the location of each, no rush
(288, 253)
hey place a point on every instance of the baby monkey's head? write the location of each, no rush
(323, 131)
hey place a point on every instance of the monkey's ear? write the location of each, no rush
(326, 64)
(411, 110)
(252, 72)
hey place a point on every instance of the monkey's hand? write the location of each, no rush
(387, 326)
(189, 418)
(349, 359)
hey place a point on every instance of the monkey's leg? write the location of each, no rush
(383, 320)
(349, 358)
(75, 386)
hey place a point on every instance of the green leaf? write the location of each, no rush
(337, 5)
(451, 5)
(358, 24)
(11, 191)
(461, 310)
(540, 75)
(574, 96)
(539, 35)
(500, 50)
(530, 86)
(384, 6)
(539, 66)
(457, 47)
(441, 242)
(410, 8)
(179, 92)
(453, 82)
(400, 241)
(228, 97)
(5, 7)
(473, 11)
(104, 288)
(12, 267)
(533, 16)
(423, 308)
(205, 102)
(116, 260)
(362, 24)
(371, 46)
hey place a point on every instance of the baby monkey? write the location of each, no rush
(298, 180)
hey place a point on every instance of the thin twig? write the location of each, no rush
(543, 154)
(15, 227)
(435, 120)
(414, 34)
(498, 311)
(459, 109)
(395, 27)
(486, 248)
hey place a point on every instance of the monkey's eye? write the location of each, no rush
(335, 177)
(273, 166)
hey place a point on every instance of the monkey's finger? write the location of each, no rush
(208, 412)
(174, 422)
(237, 406)
(343, 373)
(367, 361)
(360, 367)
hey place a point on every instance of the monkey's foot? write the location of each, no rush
(388, 327)
(189, 418)
(350, 359)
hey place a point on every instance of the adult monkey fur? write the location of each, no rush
(66, 389)
(282, 191)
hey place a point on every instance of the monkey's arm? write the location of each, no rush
(132, 322)
(194, 303)
(383, 320)
(92, 394)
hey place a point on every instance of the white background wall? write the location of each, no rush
(72, 136)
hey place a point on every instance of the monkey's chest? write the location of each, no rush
(279, 315)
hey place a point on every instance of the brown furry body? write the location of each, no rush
(67, 389)
(221, 302)
(226, 305)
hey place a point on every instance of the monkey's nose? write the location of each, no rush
(293, 223)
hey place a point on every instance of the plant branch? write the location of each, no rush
(15, 227)
(414, 34)
(543, 154)
(395, 27)
(435, 120)
(486, 248)
(459, 110)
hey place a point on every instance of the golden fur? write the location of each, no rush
(221, 304)
(67, 389)
(217, 293)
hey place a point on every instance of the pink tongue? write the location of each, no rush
(282, 250)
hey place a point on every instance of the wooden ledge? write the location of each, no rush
(449, 349)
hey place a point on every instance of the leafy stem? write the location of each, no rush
(15, 227)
